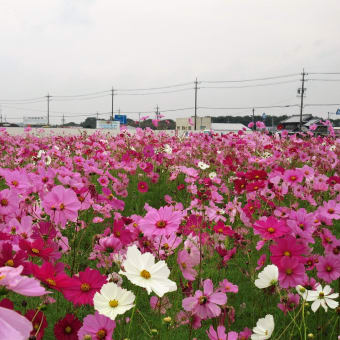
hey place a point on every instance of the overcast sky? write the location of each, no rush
(66, 47)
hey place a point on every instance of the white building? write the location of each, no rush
(228, 127)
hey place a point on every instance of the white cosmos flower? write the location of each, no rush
(302, 291)
(202, 165)
(40, 153)
(264, 328)
(268, 277)
(142, 271)
(167, 149)
(322, 297)
(113, 300)
(47, 160)
(212, 175)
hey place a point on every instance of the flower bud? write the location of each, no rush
(167, 319)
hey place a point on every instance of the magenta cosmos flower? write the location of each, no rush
(62, 205)
(97, 327)
(205, 304)
(84, 286)
(164, 221)
(143, 187)
(328, 268)
(270, 228)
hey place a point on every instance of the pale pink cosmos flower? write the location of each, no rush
(186, 264)
(11, 278)
(160, 305)
(13, 325)
(205, 304)
(62, 205)
(164, 221)
(220, 334)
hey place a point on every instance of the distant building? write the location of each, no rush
(188, 124)
(292, 125)
(228, 127)
(34, 121)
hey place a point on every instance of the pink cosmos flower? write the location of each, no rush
(11, 278)
(331, 210)
(289, 304)
(97, 326)
(84, 286)
(328, 268)
(220, 334)
(293, 176)
(13, 325)
(161, 305)
(205, 304)
(261, 261)
(227, 287)
(270, 228)
(62, 205)
(291, 272)
(186, 264)
(164, 221)
(8, 202)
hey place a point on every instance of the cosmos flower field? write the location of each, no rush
(152, 236)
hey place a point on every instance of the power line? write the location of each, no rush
(22, 100)
(80, 99)
(248, 107)
(152, 93)
(155, 88)
(83, 95)
(322, 104)
(245, 86)
(324, 72)
(317, 79)
(253, 79)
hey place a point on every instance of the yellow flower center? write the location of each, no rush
(10, 263)
(51, 282)
(113, 303)
(144, 273)
(4, 202)
(61, 206)
(68, 330)
(35, 251)
(289, 271)
(85, 287)
(101, 334)
(184, 265)
(271, 230)
(202, 300)
(161, 224)
(329, 268)
(286, 253)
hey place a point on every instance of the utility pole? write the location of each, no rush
(97, 115)
(254, 119)
(112, 94)
(157, 112)
(139, 119)
(63, 120)
(196, 103)
(328, 115)
(0, 114)
(302, 92)
(48, 108)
